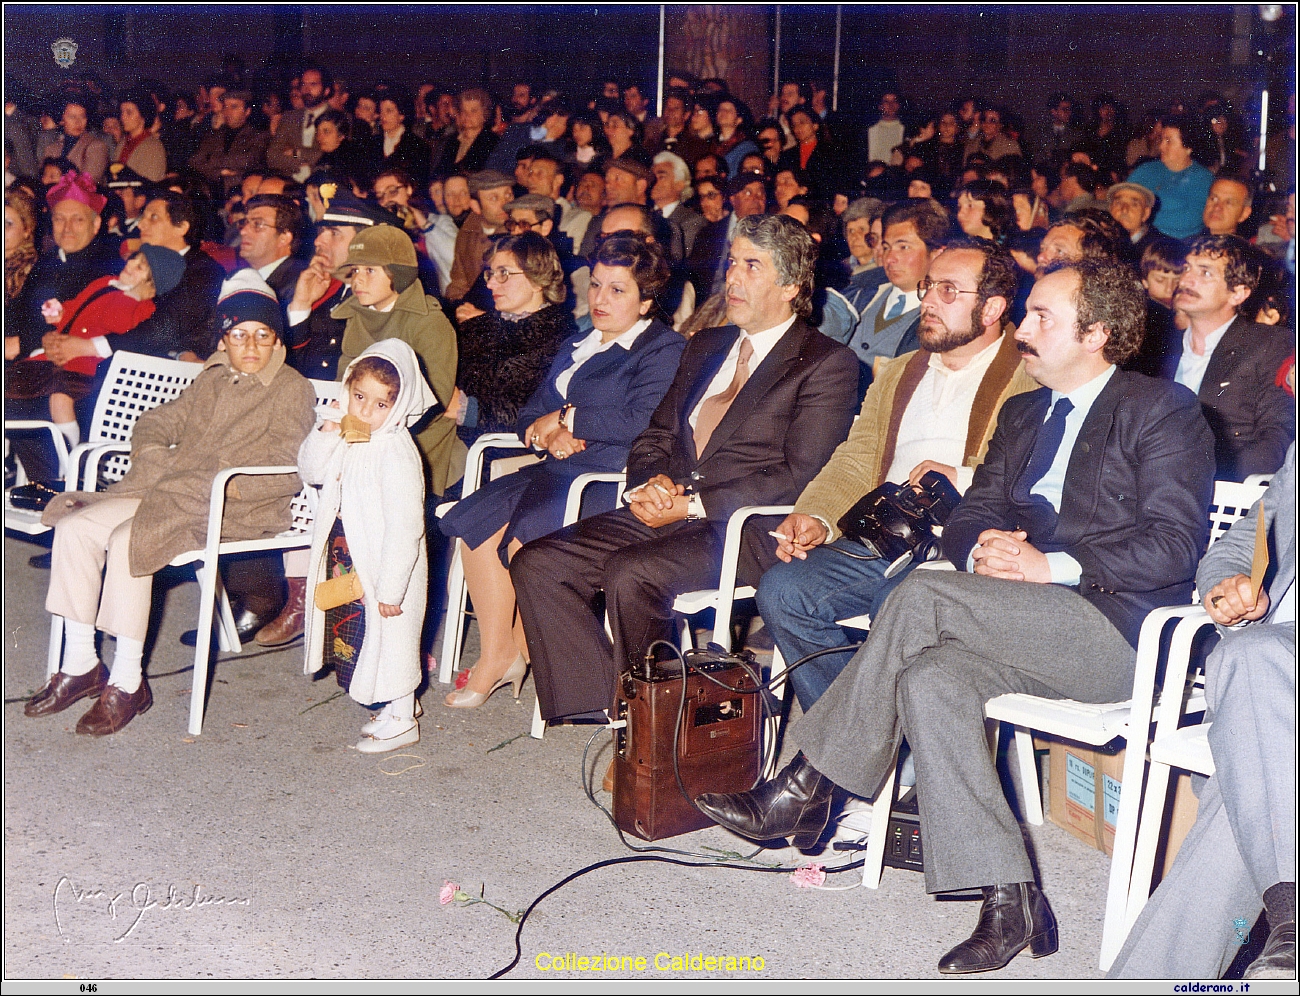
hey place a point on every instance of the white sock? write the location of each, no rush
(402, 709)
(79, 655)
(126, 665)
(71, 431)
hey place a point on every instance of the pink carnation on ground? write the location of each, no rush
(808, 876)
(449, 890)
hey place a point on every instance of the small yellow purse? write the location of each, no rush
(338, 591)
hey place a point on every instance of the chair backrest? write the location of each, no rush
(1232, 501)
(303, 505)
(135, 383)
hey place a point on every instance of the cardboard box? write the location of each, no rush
(1082, 790)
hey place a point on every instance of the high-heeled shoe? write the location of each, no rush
(465, 699)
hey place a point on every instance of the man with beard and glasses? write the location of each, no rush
(930, 409)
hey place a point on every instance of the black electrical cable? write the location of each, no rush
(588, 779)
(634, 859)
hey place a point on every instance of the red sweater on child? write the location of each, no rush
(99, 310)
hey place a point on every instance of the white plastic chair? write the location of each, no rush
(1090, 723)
(133, 385)
(453, 628)
(1171, 747)
(722, 598)
(1138, 822)
(302, 508)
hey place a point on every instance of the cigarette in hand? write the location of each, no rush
(781, 536)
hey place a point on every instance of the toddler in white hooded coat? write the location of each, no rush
(377, 489)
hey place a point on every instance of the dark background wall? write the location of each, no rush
(1146, 55)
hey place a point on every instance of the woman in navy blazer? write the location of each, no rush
(598, 397)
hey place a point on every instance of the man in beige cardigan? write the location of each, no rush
(933, 409)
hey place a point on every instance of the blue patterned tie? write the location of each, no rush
(1046, 443)
(896, 308)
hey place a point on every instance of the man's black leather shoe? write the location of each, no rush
(1013, 917)
(1277, 960)
(247, 623)
(797, 803)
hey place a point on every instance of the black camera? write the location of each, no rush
(897, 522)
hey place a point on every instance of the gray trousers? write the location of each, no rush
(1243, 840)
(944, 644)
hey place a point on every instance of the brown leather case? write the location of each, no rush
(719, 749)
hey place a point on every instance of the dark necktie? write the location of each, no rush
(1046, 443)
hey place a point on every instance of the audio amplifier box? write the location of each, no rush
(718, 749)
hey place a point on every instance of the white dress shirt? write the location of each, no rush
(592, 346)
(762, 343)
(1065, 569)
(1191, 367)
(937, 418)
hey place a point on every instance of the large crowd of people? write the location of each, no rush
(1076, 324)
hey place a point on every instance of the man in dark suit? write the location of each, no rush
(672, 187)
(1230, 362)
(228, 152)
(1077, 524)
(267, 239)
(292, 151)
(755, 410)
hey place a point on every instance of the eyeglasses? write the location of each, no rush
(256, 224)
(516, 226)
(947, 292)
(263, 337)
(500, 274)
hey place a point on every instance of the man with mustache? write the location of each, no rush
(1088, 511)
(932, 409)
(1229, 362)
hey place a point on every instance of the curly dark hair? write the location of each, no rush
(1102, 236)
(1241, 265)
(645, 259)
(1111, 295)
(381, 370)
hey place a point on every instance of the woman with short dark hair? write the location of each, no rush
(141, 150)
(74, 140)
(598, 397)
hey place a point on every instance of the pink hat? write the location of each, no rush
(77, 187)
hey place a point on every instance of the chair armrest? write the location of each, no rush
(56, 435)
(94, 453)
(579, 485)
(474, 460)
(731, 558)
(217, 502)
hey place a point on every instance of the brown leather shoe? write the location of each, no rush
(288, 625)
(62, 690)
(115, 709)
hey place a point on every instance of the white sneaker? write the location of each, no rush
(392, 734)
